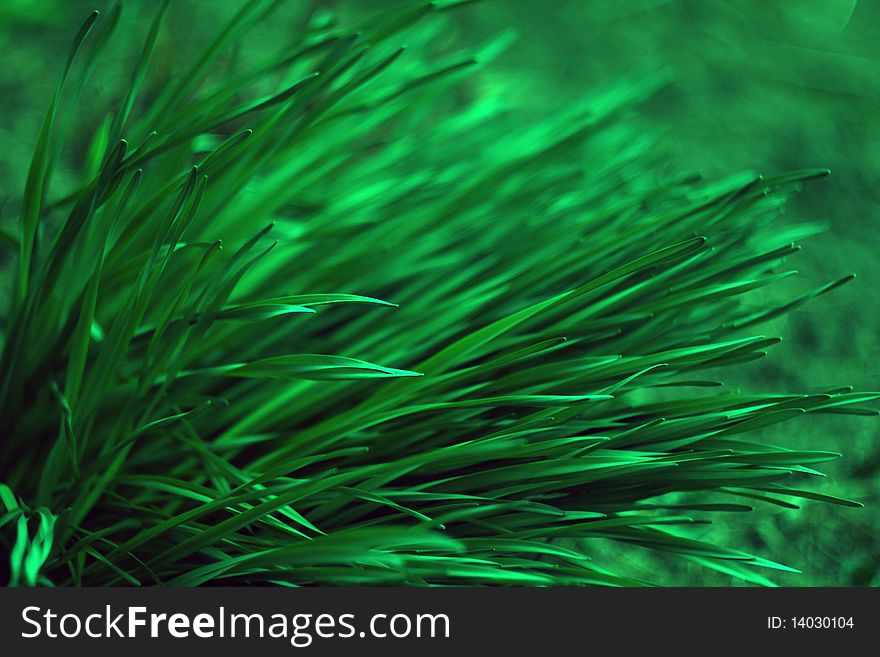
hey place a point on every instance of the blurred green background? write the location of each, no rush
(753, 85)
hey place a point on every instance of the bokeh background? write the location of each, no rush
(757, 85)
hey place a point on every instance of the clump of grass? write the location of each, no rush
(428, 348)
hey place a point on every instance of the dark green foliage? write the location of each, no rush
(429, 347)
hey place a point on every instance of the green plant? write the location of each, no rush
(174, 412)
